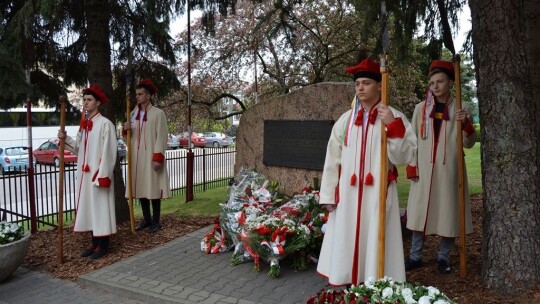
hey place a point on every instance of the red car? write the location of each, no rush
(197, 140)
(47, 153)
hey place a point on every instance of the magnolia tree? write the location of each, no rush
(283, 50)
(266, 50)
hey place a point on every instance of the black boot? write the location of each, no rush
(156, 207)
(102, 248)
(147, 221)
(90, 250)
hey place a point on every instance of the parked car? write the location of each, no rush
(172, 142)
(216, 140)
(13, 159)
(47, 153)
(197, 140)
(122, 151)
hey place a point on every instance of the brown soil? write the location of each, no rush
(44, 255)
(468, 289)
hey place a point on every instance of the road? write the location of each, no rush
(209, 164)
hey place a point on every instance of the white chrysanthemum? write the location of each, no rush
(323, 228)
(407, 292)
(410, 300)
(387, 292)
(432, 291)
(13, 228)
(441, 301)
(424, 300)
(369, 283)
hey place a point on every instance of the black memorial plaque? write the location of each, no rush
(296, 143)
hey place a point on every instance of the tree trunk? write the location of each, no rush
(532, 13)
(99, 72)
(508, 113)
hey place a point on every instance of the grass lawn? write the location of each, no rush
(207, 203)
(474, 175)
(204, 204)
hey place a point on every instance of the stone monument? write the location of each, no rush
(315, 105)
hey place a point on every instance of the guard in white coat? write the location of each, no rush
(148, 126)
(433, 207)
(350, 185)
(96, 148)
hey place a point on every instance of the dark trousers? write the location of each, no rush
(156, 207)
(101, 242)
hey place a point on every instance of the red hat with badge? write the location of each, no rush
(444, 66)
(98, 94)
(367, 68)
(148, 85)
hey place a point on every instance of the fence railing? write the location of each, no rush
(213, 167)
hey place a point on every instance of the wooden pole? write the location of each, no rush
(63, 102)
(128, 147)
(461, 179)
(383, 183)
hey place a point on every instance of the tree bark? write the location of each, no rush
(532, 13)
(508, 113)
(99, 72)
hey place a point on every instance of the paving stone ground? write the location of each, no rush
(177, 272)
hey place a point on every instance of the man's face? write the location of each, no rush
(367, 89)
(90, 103)
(440, 85)
(143, 96)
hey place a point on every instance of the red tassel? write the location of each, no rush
(373, 116)
(353, 179)
(359, 118)
(369, 179)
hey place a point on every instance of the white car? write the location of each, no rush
(172, 142)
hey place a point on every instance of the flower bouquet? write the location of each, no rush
(248, 197)
(262, 226)
(384, 291)
(271, 239)
(215, 241)
(304, 209)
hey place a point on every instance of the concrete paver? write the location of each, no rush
(177, 272)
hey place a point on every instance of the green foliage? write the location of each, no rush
(478, 133)
(202, 124)
(217, 127)
(403, 19)
(171, 127)
(12, 80)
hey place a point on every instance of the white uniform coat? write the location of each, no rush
(96, 149)
(433, 206)
(148, 144)
(349, 250)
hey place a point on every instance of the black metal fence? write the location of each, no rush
(213, 168)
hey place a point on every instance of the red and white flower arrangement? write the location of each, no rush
(261, 226)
